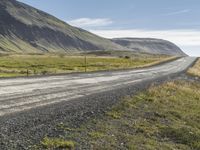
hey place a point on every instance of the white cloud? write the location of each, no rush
(184, 38)
(89, 22)
(177, 12)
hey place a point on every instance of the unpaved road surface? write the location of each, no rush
(32, 108)
(20, 94)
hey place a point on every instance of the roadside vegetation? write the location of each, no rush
(57, 143)
(163, 117)
(195, 70)
(28, 65)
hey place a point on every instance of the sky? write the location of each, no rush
(175, 20)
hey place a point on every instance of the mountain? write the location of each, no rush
(24, 29)
(150, 45)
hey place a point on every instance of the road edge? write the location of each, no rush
(33, 125)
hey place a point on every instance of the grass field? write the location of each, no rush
(21, 65)
(195, 70)
(164, 117)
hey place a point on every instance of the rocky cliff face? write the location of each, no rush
(147, 45)
(24, 29)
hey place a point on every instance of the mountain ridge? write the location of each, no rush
(25, 29)
(38, 29)
(150, 45)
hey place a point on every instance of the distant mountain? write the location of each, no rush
(24, 29)
(149, 45)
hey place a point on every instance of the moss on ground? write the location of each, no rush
(55, 143)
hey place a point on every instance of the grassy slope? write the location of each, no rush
(14, 44)
(195, 70)
(164, 117)
(17, 65)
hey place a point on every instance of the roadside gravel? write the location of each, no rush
(23, 129)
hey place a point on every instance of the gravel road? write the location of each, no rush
(31, 107)
(23, 94)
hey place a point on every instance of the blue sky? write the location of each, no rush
(174, 20)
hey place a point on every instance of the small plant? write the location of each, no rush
(44, 72)
(61, 126)
(127, 57)
(55, 143)
(96, 135)
(114, 114)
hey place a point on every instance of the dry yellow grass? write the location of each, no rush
(195, 70)
(157, 62)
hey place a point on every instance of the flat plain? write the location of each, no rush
(23, 65)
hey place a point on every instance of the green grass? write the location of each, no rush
(96, 135)
(17, 65)
(55, 143)
(163, 117)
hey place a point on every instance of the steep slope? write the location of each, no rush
(26, 29)
(148, 45)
